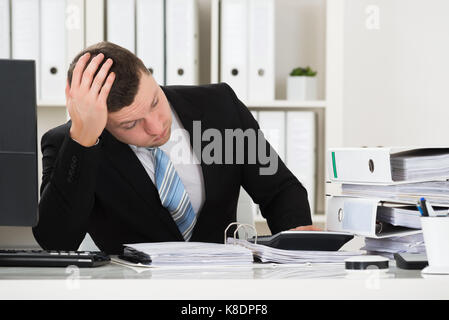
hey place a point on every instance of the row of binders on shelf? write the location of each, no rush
(292, 134)
(39, 30)
(247, 48)
(380, 188)
(162, 33)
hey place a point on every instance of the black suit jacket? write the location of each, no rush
(105, 191)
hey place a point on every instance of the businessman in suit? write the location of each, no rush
(112, 172)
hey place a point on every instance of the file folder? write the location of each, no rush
(94, 25)
(182, 42)
(255, 114)
(272, 124)
(301, 150)
(436, 192)
(261, 82)
(53, 50)
(75, 22)
(374, 165)
(247, 210)
(358, 216)
(150, 45)
(25, 36)
(234, 46)
(121, 23)
(5, 47)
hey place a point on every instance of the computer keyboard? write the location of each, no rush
(42, 258)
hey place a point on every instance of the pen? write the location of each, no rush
(418, 205)
(423, 206)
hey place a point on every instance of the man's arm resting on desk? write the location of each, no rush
(67, 191)
(282, 198)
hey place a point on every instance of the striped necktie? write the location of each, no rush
(173, 194)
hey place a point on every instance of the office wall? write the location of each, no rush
(395, 70)
(300, 28)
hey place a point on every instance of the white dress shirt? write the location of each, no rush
(186, 164)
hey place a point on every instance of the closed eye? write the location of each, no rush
(155, 102)
(131, 125)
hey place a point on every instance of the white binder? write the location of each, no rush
(301, 150)
(272, 124)
(74, 25)
(53, 50)
(247, 210)
(234, 46)
(94, 21)
(181, 42)
(5, 47)
(150, 26)
(366, 165)
(255, 114)
(358, 216)
(261, 77)
(121, 23)
(25, 33)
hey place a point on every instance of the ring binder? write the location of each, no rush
(240, 225)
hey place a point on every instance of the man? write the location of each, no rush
(111, 171)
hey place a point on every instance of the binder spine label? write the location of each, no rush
(334, 165)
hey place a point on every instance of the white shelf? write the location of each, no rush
(49, 103)
(250, 104)
(286, 104)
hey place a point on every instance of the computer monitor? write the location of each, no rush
(18, 143)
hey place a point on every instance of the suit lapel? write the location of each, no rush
(127, 163)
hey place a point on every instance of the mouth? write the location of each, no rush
(163, 134)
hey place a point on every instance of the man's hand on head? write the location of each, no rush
(86, 98)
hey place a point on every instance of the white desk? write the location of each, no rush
(254, 283)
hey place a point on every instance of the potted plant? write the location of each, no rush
(302, 84)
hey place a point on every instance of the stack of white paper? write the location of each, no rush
(193, 253)
(406, 216)
(411, 243)
(421, 164)
(436, 192)
(269, 254)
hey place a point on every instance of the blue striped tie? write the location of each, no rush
(173, 194)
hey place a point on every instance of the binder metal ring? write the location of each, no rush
(240, 225)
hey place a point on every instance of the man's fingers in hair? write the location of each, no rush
(89, 72)
(78, 70)
(106, 88)
(101, 75)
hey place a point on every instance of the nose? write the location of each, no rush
(153, 125)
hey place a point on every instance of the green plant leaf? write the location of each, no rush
(308, 72)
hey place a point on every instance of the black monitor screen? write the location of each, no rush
(18, 144)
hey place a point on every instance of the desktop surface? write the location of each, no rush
(319, 281)
(115, 270)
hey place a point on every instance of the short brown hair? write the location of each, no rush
(127, 68)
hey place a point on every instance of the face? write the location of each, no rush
(147, 121)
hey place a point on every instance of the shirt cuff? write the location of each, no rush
(96, 143)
